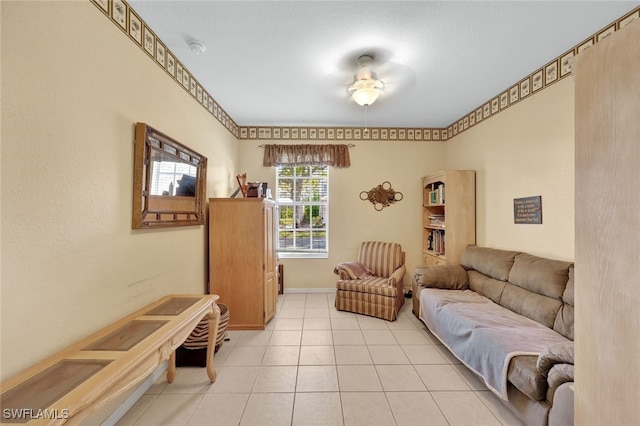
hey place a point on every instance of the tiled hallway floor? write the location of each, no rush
(314, 365)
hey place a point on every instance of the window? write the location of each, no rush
(302, 195)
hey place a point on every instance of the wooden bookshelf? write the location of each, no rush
(448, 220)
(448, 215)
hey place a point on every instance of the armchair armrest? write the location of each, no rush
(449, 277)
(352, 271)
(344, 275)
(397, 276)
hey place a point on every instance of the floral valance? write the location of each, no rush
(306, 155)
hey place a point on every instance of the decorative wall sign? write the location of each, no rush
(381, 196)
(527, 210)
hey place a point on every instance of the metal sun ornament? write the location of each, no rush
(381, 196)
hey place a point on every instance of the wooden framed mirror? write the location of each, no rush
(169, 181)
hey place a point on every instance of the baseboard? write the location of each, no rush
(310, 290)
(135, 396)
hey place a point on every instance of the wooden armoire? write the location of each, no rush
(242, 259)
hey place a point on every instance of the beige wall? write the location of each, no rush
(353, 220)
(73, 87)
(526, 150)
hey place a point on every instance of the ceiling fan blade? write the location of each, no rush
(397, 78)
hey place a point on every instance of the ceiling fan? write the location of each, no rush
(370, 74)
(365, 88)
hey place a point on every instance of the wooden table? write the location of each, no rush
(72, 384)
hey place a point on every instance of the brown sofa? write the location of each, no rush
(508, 316)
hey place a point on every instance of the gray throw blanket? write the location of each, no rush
(482, 334)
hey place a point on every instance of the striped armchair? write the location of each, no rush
(374, 284)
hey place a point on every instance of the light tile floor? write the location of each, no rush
(314, 365)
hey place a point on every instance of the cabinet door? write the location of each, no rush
(269, 265)
(270, 297)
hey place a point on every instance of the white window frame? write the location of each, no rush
(302, 253)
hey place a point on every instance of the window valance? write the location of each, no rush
(306, 155)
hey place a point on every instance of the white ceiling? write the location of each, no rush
(288, 63)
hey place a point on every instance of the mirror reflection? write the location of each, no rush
(170, 177)
(169, 181)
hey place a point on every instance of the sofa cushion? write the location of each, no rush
(494, 263)
(483, 335)
(564, 318)
(485, 286)
(567, 296)
(524, 375)
(564, 321)
(539, 275)
(451, 277)
(539, 308)
(374, 285)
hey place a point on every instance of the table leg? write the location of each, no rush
(214, 323)
(171, 370)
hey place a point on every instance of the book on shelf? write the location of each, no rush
(435, 241)
(433, 197)
(436, 196)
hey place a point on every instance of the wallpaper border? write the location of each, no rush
(127, 20)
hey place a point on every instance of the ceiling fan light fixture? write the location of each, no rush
(365, 89)
(366, 95)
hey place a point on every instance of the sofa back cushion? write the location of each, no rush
(537, 307)
(493, 263)
(564, 319)
(536, 288)
(381, 258)
(539, 275)
(485, 286)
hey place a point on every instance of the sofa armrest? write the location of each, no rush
(558, 375)
(449, 277)
(555, 363)
(561, 412)
(558, 353)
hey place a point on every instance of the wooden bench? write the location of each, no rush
(72, 384)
